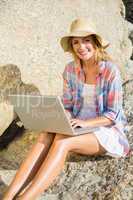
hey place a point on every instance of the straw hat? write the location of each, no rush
(82, 28)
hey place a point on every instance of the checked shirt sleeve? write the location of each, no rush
(114, 96)
(67, 90)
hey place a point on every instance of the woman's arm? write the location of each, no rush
(114, 95)
(67, 90)
(99, 121)
(94, 122)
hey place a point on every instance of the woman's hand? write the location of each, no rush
(77, 122)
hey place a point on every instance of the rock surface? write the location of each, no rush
(30, 37)
(83, 177)
(129, 10)
(129, 17)
(11, 83)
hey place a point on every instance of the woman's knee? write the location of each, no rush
(45, 137)
(61, 142)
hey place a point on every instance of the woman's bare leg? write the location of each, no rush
(30, 165)
(85, 144)
(46, 139)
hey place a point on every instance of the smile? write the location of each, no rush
(83, 53)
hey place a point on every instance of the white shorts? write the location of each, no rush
(113, 141)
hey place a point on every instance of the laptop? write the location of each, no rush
(45, 113)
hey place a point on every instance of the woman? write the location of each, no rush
(92, 96)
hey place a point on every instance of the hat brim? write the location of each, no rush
(64, 39)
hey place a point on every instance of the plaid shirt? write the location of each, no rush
(108, 92)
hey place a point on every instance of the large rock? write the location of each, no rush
(30, 32)
(10, 83)
(6, 116)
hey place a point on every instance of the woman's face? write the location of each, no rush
(83, 47)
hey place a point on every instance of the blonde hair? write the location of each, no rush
(100, 53)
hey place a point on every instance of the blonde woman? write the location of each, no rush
(92, 96)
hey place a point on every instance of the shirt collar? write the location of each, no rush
(79, 69)
(102, 65)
